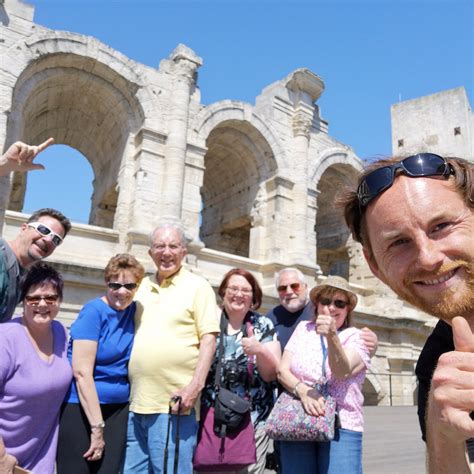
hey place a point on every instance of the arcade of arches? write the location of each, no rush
(254, 185)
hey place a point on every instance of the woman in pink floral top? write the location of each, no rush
(346, 365)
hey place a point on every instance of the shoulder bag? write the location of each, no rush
(226, 439)
(288, 421)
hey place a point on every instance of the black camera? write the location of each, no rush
(232, 373)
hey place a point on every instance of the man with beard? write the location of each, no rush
(415, 220)
(294, 303)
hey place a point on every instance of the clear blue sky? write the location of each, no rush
(369, 54)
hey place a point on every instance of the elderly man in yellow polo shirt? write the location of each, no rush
(175, 341)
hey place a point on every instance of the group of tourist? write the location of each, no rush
(125, 391)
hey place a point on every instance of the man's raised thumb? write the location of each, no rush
(462, 335)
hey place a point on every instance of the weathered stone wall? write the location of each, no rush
(254, 185)
(442, 123)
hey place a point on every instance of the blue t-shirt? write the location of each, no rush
(113, 330)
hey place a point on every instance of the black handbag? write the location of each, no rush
(230, 410)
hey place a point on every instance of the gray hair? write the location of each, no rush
(299, 274)
(169, 224)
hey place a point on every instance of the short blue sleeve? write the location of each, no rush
(89, 321)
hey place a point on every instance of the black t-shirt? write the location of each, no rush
(285, 322)
(439, 342)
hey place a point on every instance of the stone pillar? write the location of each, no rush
(184, 64)
(147, 176)
(277, 220)
(305, 88)
(192, 201)
(302, 120)
(6, 92)
(258, 219)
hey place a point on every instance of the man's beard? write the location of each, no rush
(448, 306)
(294, 305)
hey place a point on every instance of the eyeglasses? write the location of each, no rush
(233, 290)
(293, 286)
(341, 304)
(173, 248)
(117, 286)
(36, 299)
(43, 229)
(416, 166)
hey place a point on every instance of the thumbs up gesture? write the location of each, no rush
(450, 403)
(250, 345)
(452, 389)
(325, 323)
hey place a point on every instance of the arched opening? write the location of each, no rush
(237, 163)
(85, 105)
(52, 187)
(331, 231)
(371, 396)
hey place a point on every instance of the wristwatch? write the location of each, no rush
(98, 426)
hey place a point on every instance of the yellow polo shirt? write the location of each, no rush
(169, 323)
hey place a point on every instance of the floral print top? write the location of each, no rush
(306, 365)
(235, 374)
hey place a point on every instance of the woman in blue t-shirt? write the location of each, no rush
(93, 425)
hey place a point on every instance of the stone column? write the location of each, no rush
(184, 64)
(302, 120)
(192, 202)
(148, 171)
(304, 89)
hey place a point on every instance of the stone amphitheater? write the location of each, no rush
(254, 185)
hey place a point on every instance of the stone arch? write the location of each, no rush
(67, 92)
(372, 390)
(238, 163)
(336, 169)
(228, 110)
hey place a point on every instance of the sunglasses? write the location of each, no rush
(341, 304)
(416, 166)
(293, 286)
(117, 286)
(43, 229)
(36, 300)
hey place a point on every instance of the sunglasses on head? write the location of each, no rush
(341, 304)
(43, 229)
(117, 286)
(36, 300)
(293, 286)
(416, 166)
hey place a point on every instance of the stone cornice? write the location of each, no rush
(305, 81)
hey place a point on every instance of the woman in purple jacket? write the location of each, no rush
(34, 375)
